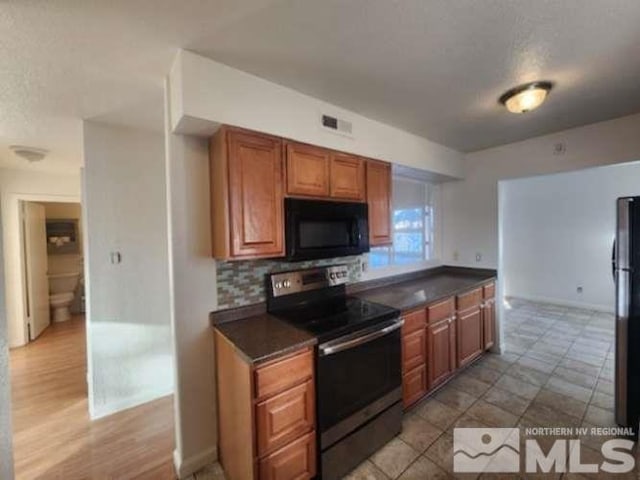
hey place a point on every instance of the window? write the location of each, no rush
(413, 225)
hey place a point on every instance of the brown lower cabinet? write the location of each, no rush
(489, 316)
(470, 326)
(442, 351)
(296, 461)
(444, 336)
(266, 415)
(414, 385)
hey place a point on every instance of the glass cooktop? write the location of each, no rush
(334, 317)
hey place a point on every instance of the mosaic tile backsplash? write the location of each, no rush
(242, 282)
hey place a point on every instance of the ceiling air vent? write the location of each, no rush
(337, 125)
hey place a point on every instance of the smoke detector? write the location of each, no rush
(31, 154)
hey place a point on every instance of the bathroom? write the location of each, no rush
(53, 264)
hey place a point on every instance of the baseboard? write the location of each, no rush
(565, 303)
(188, 466)
(127, 403)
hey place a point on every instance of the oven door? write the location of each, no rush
(320, 229)
(359, 376)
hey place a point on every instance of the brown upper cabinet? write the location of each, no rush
(307, 170)
(252, 172)
(247, 195)
(321, 173)
(379, 200)
(347, 177)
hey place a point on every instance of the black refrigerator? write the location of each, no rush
(626, 272)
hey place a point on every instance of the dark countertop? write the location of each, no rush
(262, 337)
(421, 291)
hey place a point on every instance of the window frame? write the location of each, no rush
(430, 217)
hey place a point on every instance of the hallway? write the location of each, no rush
(53, 436)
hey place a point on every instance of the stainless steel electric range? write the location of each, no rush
(358, 363)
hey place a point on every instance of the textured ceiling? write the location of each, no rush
(434, 68)
(62, 61)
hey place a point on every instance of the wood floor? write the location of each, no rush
(53, 436)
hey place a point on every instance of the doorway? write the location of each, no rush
(48, 373)
(53, 264)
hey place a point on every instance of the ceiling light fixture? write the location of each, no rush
(31, 154)
(525, 98)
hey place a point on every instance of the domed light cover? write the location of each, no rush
(525, 98)
(31, 154)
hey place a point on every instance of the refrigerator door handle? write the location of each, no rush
(622, 294)
(623, 233)
(622, 348)
(613, 260)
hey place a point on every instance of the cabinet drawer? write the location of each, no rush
(285, 417)
(296, 461)
(283, 374)
(414, 385)
(470, 299)
(489, 291)
(414, 352)
(441, 310)
(414, 321)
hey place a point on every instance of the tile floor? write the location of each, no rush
(556, 370)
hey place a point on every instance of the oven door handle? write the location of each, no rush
(330, 349)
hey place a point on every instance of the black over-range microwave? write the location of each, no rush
(321, 229)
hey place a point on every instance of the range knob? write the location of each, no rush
(286, 284)
(332, 276)
(278, 285)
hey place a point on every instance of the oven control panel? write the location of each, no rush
(304, 280)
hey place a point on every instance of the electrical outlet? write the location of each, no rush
(478, 257)
(579, 289)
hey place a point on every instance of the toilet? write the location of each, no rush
(62, 287)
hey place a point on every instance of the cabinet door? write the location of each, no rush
(379, 200)
(285, 417)
(489, 322)
(414, 351)
(307, 170)
(470, 333)
(440, 350)
(296, 461)
(414, 385)
(255, 195)
(347, 177)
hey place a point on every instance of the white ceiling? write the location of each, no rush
(435, 68)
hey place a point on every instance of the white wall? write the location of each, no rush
(16, 185)
(6, 432)
(129, 334)
(470, 207)
(206, 91)
(557, 232)
(193, 280)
